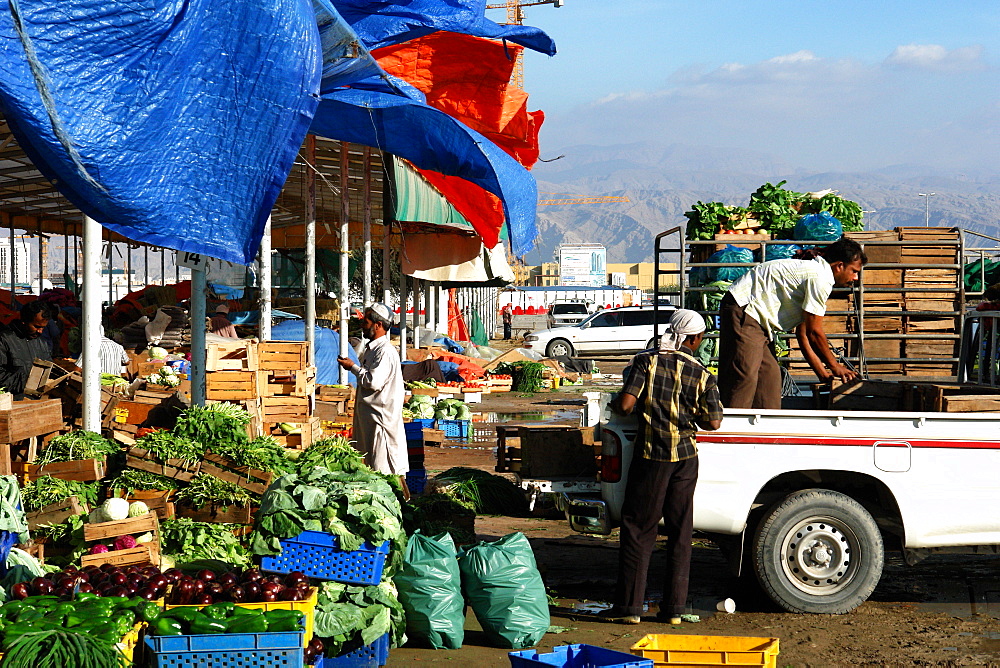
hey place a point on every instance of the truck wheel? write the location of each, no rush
(818, 551)
(559, 348)
(652, 344)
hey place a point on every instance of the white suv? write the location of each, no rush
(568, 313)
(625, 330)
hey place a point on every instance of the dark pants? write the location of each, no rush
(749, 373)
(506, 331)
(655, 490)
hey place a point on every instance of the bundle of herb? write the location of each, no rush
(207, 490)
(131, 480)
(46, 490)
(187, 541)
(351, 617)
(355, 506)
(165, 445)
(333, 454)
(61, 648)
(215, 426)
(486, 493)
(76, 445)
(262, 453)
(435, 513)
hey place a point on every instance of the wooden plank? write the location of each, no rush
(29, 418)
(328, 393)
(116, 528)
(232, 356)
(971, 403)
(147, 553)
(225, 469)
(283, 355)
(225, 385)
(143, 460)
(868, 388)
(285, 409)
(83, 470)
(230, 515)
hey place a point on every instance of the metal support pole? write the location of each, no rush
(128, 269)
(416, 312)
(90, 325)
(310, 249)
(366, 297)
(13, 263)
(76, 263)
(386, 261)
(345, 249)
(145, 264)
(163, 266)
(198, 311)
(65, 253)
(111, 273)
(41, 260)
(432, 323)
(177, 270)
(264, 281)
(402, 316)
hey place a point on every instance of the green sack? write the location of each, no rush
(430, 589)
(504, 588)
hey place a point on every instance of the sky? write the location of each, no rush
(825, 86)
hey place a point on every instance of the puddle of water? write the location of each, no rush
(563, 415)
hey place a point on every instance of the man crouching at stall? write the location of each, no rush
(675, 395)
(378, 407)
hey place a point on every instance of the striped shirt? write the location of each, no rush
(111, 355)
(673, 390)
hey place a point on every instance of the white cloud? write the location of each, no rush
(936, 58)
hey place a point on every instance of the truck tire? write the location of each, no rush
(818, 551)
(559, 348)
(652, 343)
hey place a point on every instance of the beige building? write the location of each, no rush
(637, 274)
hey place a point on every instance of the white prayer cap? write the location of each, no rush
(222, 308)
(683, 323)
(381, 311)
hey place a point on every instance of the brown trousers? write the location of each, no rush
(655, 490)
(749, 374)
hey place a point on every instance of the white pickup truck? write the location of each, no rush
(810, 499)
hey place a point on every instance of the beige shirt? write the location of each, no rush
(777, 293)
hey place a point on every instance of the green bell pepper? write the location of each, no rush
(29, 614)
(247, 612)
(148, 611)
(165, 626)
(82, 596)
(215, 611)
(184, 613)
(247, 624)
(284, 620)
(202, 624)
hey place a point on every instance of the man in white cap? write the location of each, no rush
(220, 324)
(675, 396)
(378, 408)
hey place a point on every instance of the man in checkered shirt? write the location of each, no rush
(675, 396)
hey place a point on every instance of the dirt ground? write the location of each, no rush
(942, 612)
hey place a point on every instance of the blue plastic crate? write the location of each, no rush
(455, 429)
(416, 480)
(415, 429)
(577, 656)
(319, 556)
(369, 656)
(227, 650)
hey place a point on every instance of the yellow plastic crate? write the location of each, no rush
(689, 651)
(307, 607)
(130, 640)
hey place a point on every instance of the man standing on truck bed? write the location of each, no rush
(676, 395)
(773, 297)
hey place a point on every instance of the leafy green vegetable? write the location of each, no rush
(215, 426)
(131, 480)
(350, 617)
(165, 445)
(334, 454)
(76, 445)
(263, 454)
(12, 517)
(46, 490)
(356, 507)
(706, 219)
(61, 648)
(188, 541)
(207, 490)
(435, 513)
(525, 376)
(483, 491)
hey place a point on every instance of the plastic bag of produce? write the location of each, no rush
(781, 252)
(430, 589)
(818, 227)
(705, 275)
(502, 584)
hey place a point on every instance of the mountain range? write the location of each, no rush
(662, 182)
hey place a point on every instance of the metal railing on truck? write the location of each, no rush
(673, 245)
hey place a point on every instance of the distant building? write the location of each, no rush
(22, 264)
(627, 275)
(582, 265)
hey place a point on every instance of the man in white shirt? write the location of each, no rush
(378, 406)
(778, 296)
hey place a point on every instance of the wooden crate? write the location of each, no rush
(225, 469)
(953, 397)
(29, 418)
(300, 383)
(147, 553)
(508, 449)
(54, 513)
(114, 529)
(223, 515)
(283, 355)
(158, 501)
(500, 385)
(434, 438)
(83, 470)
(310, 431)
(231, 385)
(285, 409)
(555, 451)
(239, 355)
(425, 391)
(143, 460)
(330, 393)
(869, 395)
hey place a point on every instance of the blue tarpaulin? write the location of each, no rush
(173, 123)
(327, 349)
(384, 22)
(433, 140)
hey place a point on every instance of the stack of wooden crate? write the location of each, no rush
(231, 370)
(286, 384)
(882, 301)
(937, 292)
